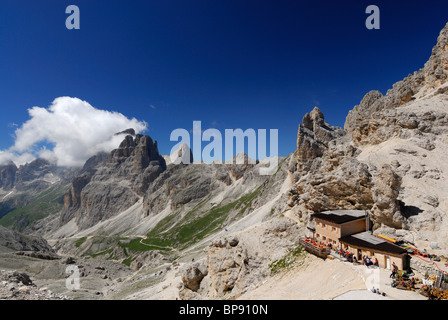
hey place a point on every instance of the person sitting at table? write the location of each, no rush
(368, 262)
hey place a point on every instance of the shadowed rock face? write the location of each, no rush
(134, 155)
(73, 198)
(328, 175)
(14, 241)
(109, 184)
(8, 176)
(130, 131)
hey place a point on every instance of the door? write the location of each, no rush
(387, 262)
(359, 255)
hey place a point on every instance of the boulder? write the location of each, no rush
(193, 275)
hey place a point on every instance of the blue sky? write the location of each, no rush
(228, 63)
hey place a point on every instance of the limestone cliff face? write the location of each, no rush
(336, 180)
(388, 160)
(436, 69)
(324, 157)
(313, 137)
(379, 117)
(111, 183)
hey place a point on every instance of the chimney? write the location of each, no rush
(367, 221)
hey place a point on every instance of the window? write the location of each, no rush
(324, 238)
(333, 228)
(317, 235)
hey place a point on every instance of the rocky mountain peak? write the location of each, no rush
(436, 69)
(129, 131)
(110, 184)
(313, 119)
(313, 136)
(370, 121)
(138, 152)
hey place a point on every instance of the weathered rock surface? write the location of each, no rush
(238, 262)
(436, 69)
(40, 174)
(8, 176)
(35, 176)
(33, 277)
(388, 160)
(14, 241)
(386, 208)
(24, 190)
(313, 138)
(146, 259)
(18, 286)
(109, 184)
(227, 263)
(379, 117)
(334, 180)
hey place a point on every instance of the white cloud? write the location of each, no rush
(73, 128)
(7, 156)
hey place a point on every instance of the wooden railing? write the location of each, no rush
(318, 250)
